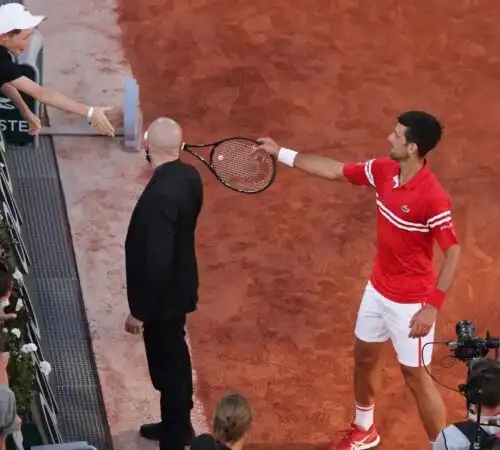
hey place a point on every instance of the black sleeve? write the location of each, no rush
(9, 70)
(158, 225)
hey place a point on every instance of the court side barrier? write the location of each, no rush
(33, 56)
(39, 410)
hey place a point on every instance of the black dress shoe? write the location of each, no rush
(152, 431)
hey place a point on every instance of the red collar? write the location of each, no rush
(414, 181)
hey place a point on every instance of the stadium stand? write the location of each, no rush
(66, 411)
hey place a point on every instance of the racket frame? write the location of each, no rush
(208, 160)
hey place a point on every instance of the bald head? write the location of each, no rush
(165, 137)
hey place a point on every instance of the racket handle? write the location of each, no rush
(287, 156)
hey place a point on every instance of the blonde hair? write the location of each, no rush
(232, 418)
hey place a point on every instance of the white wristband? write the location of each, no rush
(287, 156)
(89, 113)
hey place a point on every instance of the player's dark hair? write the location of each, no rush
(423, 129)
(487, 381)
(232, 418)
(14, 32)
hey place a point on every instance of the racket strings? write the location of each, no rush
(235, 164)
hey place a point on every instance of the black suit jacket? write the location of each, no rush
(161, 266)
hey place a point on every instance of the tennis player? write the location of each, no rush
(403, 296)
(16, 28)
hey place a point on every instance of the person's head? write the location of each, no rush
(232, 418)
(483, 386)
(163, 140)
(16, 27)
(416, 133)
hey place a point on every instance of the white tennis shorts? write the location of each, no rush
(380, 319)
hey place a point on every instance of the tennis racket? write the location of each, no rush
(233, 164)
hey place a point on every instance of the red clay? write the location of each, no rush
(282, 273)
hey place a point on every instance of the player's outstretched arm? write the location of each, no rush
(319, 166)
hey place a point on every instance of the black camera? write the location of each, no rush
(468, 345)
(472, 351)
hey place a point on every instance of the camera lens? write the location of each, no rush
(465, 329)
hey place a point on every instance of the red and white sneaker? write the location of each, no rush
(358, 439)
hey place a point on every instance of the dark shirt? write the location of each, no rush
(207, 442)
(9, 70)
(160, 250)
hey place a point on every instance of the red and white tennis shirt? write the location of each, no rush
(410, 218)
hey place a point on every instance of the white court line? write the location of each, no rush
(198, 415)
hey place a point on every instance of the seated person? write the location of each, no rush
(232, 420)
(483, 393)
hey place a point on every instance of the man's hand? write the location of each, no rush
(268, 145)
(34, 122)
(99, 120)
(316, 165)
(422, 322)
(133, 325)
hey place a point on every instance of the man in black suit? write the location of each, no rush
(162, 279)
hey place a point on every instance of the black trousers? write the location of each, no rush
(169, 365)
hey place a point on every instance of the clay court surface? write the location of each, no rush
(282, 273)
